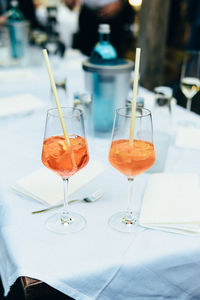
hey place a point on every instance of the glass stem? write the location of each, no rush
(189, 103)
(130, 218)
(65, 218)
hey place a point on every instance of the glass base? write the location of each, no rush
(123, 222)
(74, 223)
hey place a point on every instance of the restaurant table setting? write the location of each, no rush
(159, 261)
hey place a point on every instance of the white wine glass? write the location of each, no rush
(190, 76)
(131, 159)
(65, 160)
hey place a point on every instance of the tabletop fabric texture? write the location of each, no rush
(96, 263)
(188, 137)
(19, 105)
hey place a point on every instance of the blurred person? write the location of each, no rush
(176, 25)
(39, 3)
(193, 19)
(27, 8)
(66, 20)
(2, 19)
(117, 13)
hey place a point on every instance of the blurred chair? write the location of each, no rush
(38, 290)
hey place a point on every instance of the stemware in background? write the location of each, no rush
(163, 125)
(61, 86)
(56, 50)
(65, 160)
(5, 57)
(190, 76)
(83, 101)
(131, 159)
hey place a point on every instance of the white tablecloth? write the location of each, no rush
(98, 262)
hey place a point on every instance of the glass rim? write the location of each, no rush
(148, 112)
(53, 109)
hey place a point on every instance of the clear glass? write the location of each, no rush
(131, 159)
(162, 122)
(83, 101)
(61, 86)
(190, 76)
(65, 160)
(5, 57)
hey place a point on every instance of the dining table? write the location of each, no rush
(97, 263)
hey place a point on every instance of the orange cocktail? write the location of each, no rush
(65, 152)
(131, 160)
(63, 159)
(131, 154)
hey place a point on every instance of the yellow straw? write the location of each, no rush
(56, 97)
(135, 89)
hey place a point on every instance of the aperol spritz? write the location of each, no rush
(65, 159)
(131, 159)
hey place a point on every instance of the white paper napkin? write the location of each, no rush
(17, 75)
(20, 104)
(45, 186)
(172, 202)
(188, 137)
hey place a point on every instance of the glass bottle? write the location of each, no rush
(15, 19)
(103, 50)
(15, 13)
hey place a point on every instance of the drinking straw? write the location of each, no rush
(53, 86)
(135, 89)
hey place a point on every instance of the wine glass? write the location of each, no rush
(65, 160)
(131, 159)
(190, 76)
(61, 86)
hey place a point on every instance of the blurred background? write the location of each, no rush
(163, 29)
(70, 30)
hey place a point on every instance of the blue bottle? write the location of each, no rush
(103, 50)
(15, 19)
(103, 55)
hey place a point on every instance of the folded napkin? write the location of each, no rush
(20, 104)
(188, 137)
(45, 186)
(172, 202)
(17, 75)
